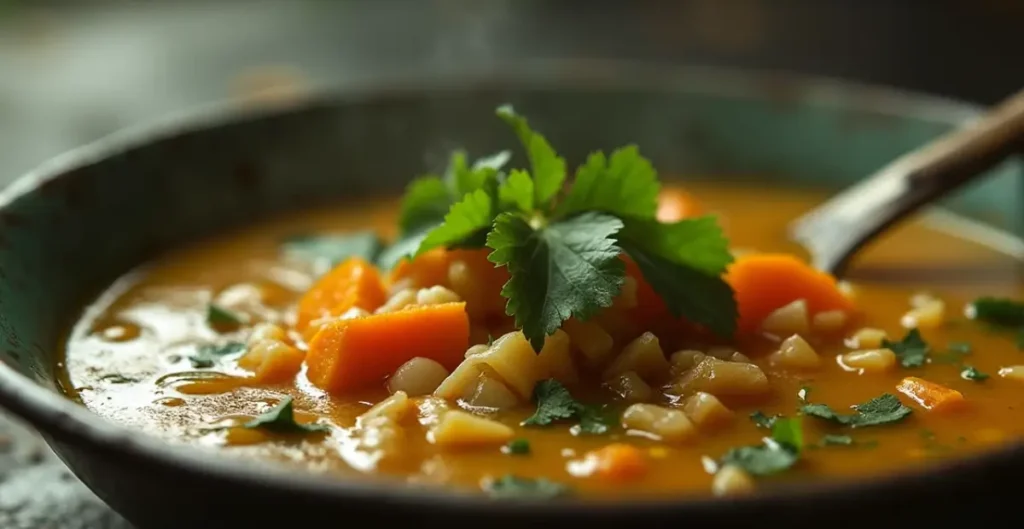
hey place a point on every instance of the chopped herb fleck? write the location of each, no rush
(778, 453)
(513, 487)
(763, 421)
(997, 311)
(884, 409)
(281, 420)
(517, 447)
(208, 355)
(220, 316)
(970, 373)
(911, 350)
(555, 403)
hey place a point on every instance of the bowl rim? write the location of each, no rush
(60, 419)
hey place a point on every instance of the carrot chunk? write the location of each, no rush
(931, 396)
(347, 355)
(353, 283)
(766, 282)
(427, 270)
(675, 204)
(619, 462)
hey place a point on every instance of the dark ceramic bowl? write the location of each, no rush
(77, 223)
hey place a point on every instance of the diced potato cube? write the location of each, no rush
(395, 408)
(829, 321)
(436, 295)
(399, 301)
(706, 410)
(630, 387)
(458, 429)
(685, 359)
(463, 377)
(514, 360)
(476, 349)
(383, 439)
(642, 356)
(722, 379)
(592, 341)
(671, 426)
(555, 359)
(721, 352)
(869, 360)
(795, 353)
(272, 361)
(740, 357)
(731, 480)
(266, 331)
(419, 376)
(927, 316)
(787, 320)
(866, 338)
(431, 409)
(489, 393)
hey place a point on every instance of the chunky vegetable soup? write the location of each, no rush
(529, 333)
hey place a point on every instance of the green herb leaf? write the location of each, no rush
(209, 354)
(467, 217)
(884, 409)
(970, 373)
(626, 186)
(700, 298)
(402, 248)
(997, 311)
(517, 447)
(220, 316)
(424, 205)
(763, 421)
(512, 487)
(566, 269)
(698, 243)
(911, 350)
(777, 454)
(516, 192)
(547, 168)
(555, 403)
(281, 420)
(836, 440)
(333, 249)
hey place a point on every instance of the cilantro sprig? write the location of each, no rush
(562, 247)
(777, 453)
(555, 403)
(884, 409)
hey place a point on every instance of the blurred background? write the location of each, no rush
(76, 70)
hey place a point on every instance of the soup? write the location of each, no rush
(545, 342)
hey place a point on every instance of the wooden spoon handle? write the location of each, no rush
(838, 228)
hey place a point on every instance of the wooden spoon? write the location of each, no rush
(834, 231)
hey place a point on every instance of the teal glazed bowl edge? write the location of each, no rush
(71, 227)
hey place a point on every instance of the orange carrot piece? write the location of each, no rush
(353, 283)
(347, 355)
(931, 396)
(766, 282)
(619, 462)
(427, 270)
(675, 204)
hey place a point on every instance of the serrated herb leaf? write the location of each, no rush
(912, 350)
(625, 185)
(466, 217)
(425, 203)
(513, 487)
(778, 453)
(516, 192)
(546, 167)
(567, 269)
(208, 355)
(697, 243)
(884, 409)
(329, 250)
(555, 403)
(281, 420)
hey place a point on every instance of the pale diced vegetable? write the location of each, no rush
(795, 353)
(740, 357)
(461, 379)
(272, 361)
(515, 362)
(592, 341)
(266, 331)
(928, 315)
(706, 410)
(1015, 373)
(395, 408)
(477, 349)
(555, 359)
(398, 301)
(721, 352)
(630, 387)
(683, 360)
(869, 360)
(722, 379)
(431, 409)
(642, 356)
(419, 376)
(458, 429)
(669, 425)
(436, 295)
(382, 438)
(489, 393)
(731, 480)
(787, 320)
(829, 321)
(866, 338)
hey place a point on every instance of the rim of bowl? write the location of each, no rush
(58, 417)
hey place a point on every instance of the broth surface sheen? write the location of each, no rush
(126, 354)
